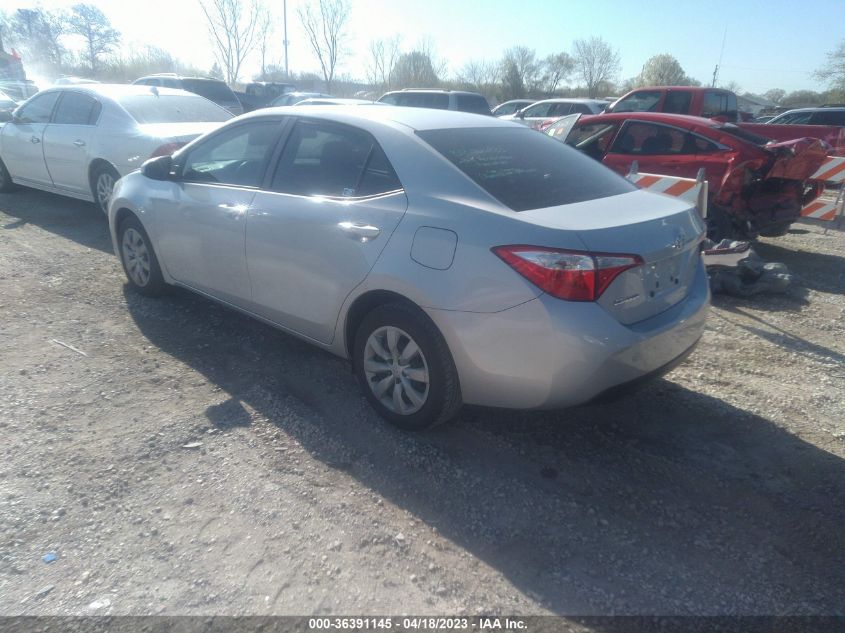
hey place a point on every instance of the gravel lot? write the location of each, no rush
(179, 458)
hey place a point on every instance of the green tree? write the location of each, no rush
(512, 85)
(664, 70)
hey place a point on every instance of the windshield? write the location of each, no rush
(149, 108)
(523, 169)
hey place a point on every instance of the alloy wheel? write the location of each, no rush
(396, 370)
(105, 186)
(136, 257)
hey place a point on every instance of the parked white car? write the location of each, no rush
(79, 140)
(548, 110)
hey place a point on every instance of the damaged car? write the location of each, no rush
(756, 186)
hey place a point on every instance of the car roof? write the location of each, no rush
(572, 100)
(115, 91)
(416, 119)
(815, 109)
(681, 120)
(432, 91)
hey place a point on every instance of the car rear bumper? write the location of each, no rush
(548, 353)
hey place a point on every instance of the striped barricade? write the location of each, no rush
(832, 171)
(692, 190)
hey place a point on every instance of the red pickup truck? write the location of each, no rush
(720, 105)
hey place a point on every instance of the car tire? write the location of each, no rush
(102, 185)
(776, 230)
(6, 184)
(139, 259)
(404, 367)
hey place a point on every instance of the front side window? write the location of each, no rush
(76, 109)
(39, 109)
(538, 110)
(332, 161)
(237, 156)
(523, 169)
(642, 101)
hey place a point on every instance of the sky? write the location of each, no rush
(767, 43)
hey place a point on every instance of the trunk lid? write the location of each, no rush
(797, 159)
(665, 232)
(179, 132)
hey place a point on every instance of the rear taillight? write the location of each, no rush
(570, 275)
(167, 149)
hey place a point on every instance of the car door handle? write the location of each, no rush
(35, 140)
(358, 231)
(79, 143)
(233, 211)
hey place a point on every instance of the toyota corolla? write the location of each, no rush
(452, 257)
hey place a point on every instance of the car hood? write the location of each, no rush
(797, 159)
(179, 131)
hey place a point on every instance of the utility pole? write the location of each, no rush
(721, 54)
(285, 9)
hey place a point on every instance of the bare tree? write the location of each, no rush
(834, 70)
(384, 53)
(775, 95)
(38, 33)
(325, 27)
(481, 75)
(522, 61)
(5, 29)
(232, 25)
(556, 68)
(596, 62)
(265, 37)
(94, 27)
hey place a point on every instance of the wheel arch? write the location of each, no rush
(365, 304)
(94, 166)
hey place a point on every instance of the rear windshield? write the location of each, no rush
(172, 108)
(740, 133)
(436, 100)
(525, 170)
(217, 91)
(472, 103)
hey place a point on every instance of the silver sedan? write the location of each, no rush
(77, 140)
(454, 258)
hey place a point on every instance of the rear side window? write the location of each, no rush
(472, 103)
(718, 104)
(828, 117)
(523, 169)
(332, 161)
(649, 140)
(77, 109)
(677, 102)
(237, 156)
(216, 91)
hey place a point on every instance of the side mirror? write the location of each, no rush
(520, 114)
(5, 116)
(158, 168)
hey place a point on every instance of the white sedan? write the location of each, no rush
(79, 140)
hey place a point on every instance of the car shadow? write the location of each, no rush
(781, 337)
(669, 501)
(817, 271)
(76, 220)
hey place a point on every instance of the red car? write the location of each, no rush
(756, 186)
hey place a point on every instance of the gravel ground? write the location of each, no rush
(178, 458)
